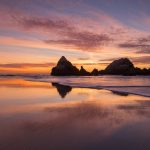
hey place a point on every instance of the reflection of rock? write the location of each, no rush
(64, 68)
(141, 107)
(63, 90)
(120, 93)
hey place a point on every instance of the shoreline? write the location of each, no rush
(104, 88)
(124, 89)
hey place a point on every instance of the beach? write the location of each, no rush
(55, 113)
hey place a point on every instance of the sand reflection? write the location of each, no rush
(78, 125)
(86, 119)
(63, 90)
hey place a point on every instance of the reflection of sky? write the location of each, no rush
(18, 92)
(96, 118)
(96, 30)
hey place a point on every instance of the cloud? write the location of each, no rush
(86, 58)
(65, 32)
(130, 45)
(60, 29)
(142, 44)
(77, 31)
(141, 59)
(68, 25)
(24, 65)
(144, 51)
(83, 40)
(44, 23)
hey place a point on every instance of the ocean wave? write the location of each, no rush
(139, 85)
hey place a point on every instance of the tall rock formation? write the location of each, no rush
(83, 72)
(64, 68)
(95, 72)
(121, 66)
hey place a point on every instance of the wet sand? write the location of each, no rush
(38, 115)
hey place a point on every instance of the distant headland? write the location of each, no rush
(122, 66)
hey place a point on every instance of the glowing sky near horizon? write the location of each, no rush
(88, 32)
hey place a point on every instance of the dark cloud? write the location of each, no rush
(145, 51)
(23, 65)
(60, 29)
(133, 45)
(44, 23)
(68, 34)
(108, 59)
(83, 40)
(141, 44)
(84, 58)
(144, 39)
(141, 59)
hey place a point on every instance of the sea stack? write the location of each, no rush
(83, 72)
(121, 66)
(95, 72)
(64, 68)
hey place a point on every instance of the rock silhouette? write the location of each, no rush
(64, 68)
(139, 71)
(83, 72)
(122, 66)
(95, 72)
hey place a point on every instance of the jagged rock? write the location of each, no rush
(121, 66)
(64, 68)
(101, 72)
(83, 72)
(95, 72)
(138, 71)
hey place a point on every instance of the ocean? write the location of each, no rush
(70, 113)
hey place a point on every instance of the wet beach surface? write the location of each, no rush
(44, 115)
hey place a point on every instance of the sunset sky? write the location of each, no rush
(34, 34)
